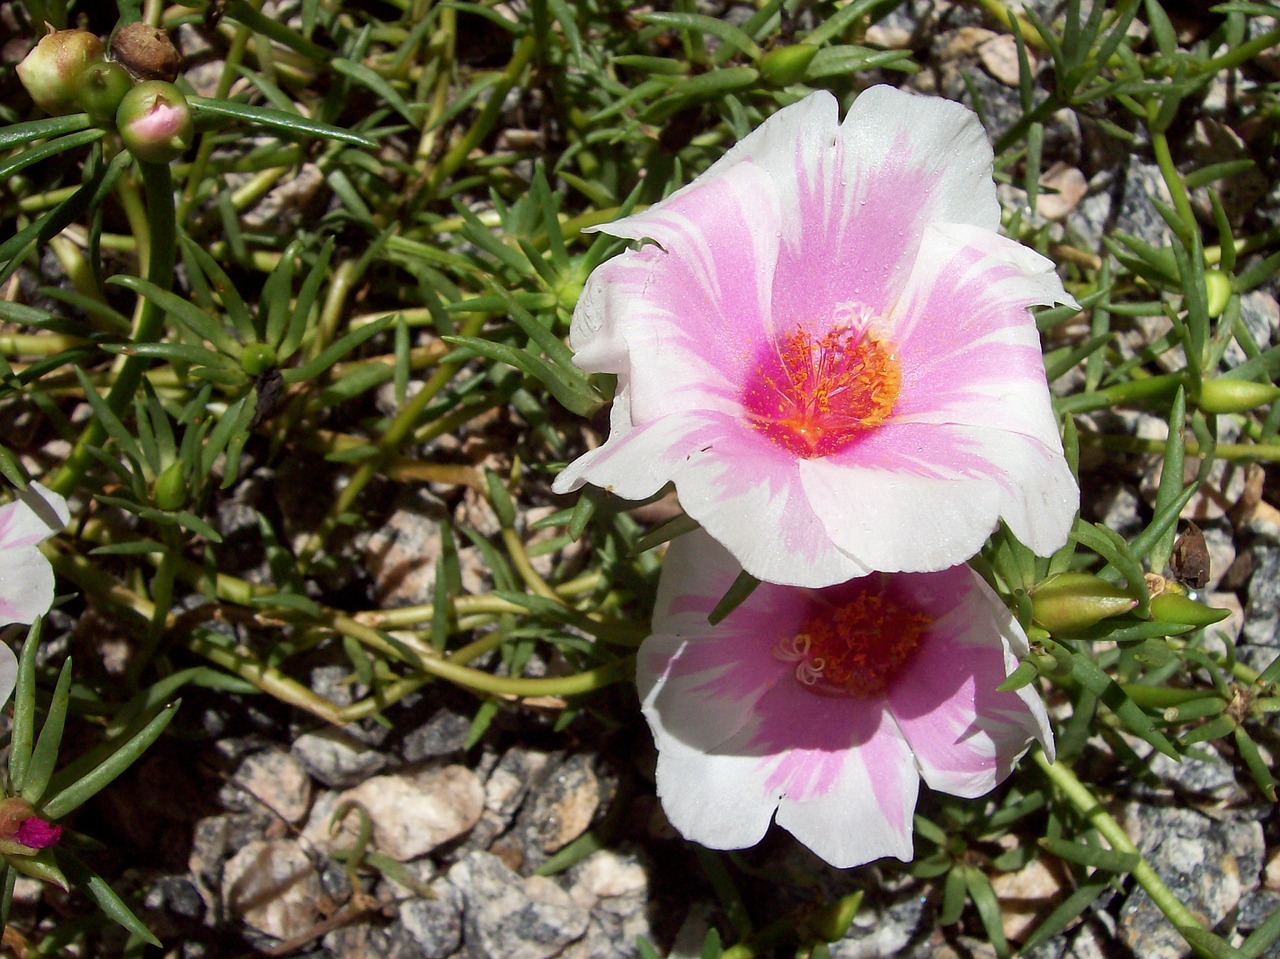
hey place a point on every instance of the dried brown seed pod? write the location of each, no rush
(146, 52)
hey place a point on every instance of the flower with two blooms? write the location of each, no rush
(26, 593)
(825, 346)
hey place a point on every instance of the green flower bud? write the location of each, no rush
(154, 121)
(1171, 607)
(786, 65)
(1217, 289)
(257, 358)
(101, 90)
(1235, 396)
(1070, 602)
(51, 72)
(171, 490)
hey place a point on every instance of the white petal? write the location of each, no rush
(33, 517)
(26, 585)
(8, 672)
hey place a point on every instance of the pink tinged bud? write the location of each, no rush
(51, 72)
(35, 833)
(154, 121)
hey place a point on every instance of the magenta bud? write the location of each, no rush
(154, 121)
(35, 833)
(52, 71)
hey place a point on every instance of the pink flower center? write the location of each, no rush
(855, 649)
(813, 395)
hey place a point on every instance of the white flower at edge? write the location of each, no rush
(26, 578)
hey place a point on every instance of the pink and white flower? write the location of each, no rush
(825, 708)
(26, 578)
(827, 349)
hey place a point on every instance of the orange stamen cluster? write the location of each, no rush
(856, 648)
(816, 393)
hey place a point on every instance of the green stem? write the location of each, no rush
(399, 430)
(1173, 179)
(157, 183)
(1079, 795)
(1241, 54)
(458, 153)
(196, 173)
(1264, 452)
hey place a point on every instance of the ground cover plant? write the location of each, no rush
(326, 592)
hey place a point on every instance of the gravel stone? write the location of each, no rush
(443, 734)
(1262, 607)
(615, 888)
(273, 780)
(337, 758)
(412, 815)
(879, 931)
(273, 886)
(1207, 864)
(1136, 215)
(564, 804)
(510, 780)
(435, 925)
(512, 917)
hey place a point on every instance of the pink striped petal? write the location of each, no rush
(734, 330)
(864, 812)
(688, 305)
(969, 354)
(742, 738)
(856, 206)
(929, 494)
(965, 735)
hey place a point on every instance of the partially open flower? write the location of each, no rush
(26, 578)
(825, 708)
(827, 349)
(21, 830)
(51, 72)
(155, 122)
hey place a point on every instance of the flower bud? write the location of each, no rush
(257, 358)
(154, 121)
(21, 827)
(1235, 396)
(102, 88)
(51, 72)
(1069, 602)
(786, 65)
(36, 833)
(170, 490)
(1217, 289)
(146, 52)
(1171, 607)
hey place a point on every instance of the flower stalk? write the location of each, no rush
(1079, 795)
